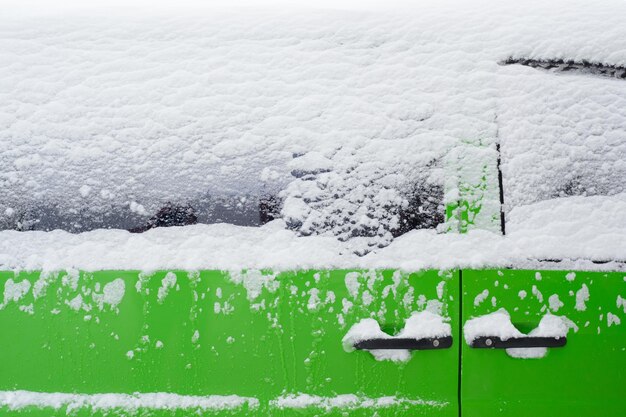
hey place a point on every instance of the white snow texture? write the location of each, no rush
(344, 116)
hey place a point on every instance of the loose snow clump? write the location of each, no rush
(368, 202)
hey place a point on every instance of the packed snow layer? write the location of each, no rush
(348, 401)
(577, 230)
(104, 119)
(571, 227)
(15, 400)
(214, 108)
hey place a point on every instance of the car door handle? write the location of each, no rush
(494, 342)
(405, 343)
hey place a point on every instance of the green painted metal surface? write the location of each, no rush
(275, 338)
(586, 377)
(251, 334)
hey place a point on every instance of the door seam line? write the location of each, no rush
(460, 331)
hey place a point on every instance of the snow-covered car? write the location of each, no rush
(411, 212)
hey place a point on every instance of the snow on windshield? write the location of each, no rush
(339, 122)
(107, 122)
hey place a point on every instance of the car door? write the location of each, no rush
(222, 343)
(579, 313)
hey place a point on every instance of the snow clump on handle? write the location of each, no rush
(420, 325)
(498, 324)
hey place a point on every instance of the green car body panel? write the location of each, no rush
(586, 377)
(253, 334)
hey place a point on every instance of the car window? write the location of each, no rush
(562, 133)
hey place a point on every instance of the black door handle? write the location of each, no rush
(494, 342)
(405, 343)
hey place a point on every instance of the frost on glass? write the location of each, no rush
(347, 194)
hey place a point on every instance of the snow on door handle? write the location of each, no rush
(496, 331)
(423, 330)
